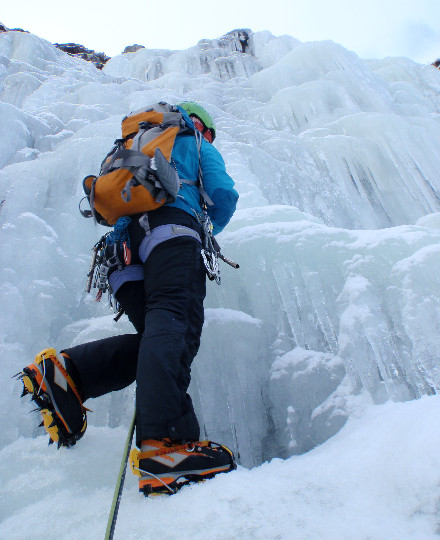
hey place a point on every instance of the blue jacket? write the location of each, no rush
(217, 183)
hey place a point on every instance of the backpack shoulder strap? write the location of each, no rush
(206, 200)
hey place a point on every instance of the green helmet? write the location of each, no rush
(193, 108)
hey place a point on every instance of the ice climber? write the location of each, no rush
(165, 305)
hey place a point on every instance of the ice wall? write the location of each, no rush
(336, 303)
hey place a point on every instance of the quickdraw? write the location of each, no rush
(211, 250)
(105, 257)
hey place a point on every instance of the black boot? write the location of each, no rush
(164, 466)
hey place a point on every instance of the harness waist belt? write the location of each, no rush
(162, 233)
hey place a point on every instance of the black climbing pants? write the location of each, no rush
(167, 311)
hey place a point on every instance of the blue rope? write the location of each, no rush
(119, 233)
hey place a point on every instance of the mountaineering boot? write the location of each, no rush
(57, 397)
(165, 466)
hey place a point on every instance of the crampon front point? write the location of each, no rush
(56, 396)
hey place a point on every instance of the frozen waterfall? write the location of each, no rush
(337, 300)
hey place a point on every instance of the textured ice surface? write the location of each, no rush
(336, 303)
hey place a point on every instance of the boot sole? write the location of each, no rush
(175, 481)
(53, 421)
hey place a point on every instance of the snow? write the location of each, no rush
(322, 349)
(378, 478)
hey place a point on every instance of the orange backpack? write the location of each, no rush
(136, 175)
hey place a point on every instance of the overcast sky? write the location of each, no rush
(371, 28)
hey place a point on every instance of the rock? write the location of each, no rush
(4, 28)
(99, 59)
(240, 37)
(132, 48)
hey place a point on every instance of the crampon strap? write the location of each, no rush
(51, 353)
(171, 449)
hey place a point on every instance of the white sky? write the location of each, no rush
(371, 28)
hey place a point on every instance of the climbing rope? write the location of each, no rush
(111, 523)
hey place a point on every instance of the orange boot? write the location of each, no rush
(57, 397)
(165, 466)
